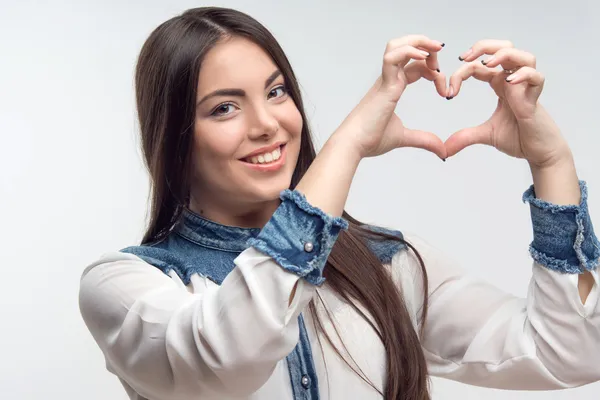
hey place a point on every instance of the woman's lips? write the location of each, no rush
(273, 165)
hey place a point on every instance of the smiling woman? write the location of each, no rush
(252, 282)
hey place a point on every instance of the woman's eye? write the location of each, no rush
(282, 90)
(222, 110)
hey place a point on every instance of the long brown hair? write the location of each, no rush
(166, 80)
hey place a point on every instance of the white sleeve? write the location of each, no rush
(169, 343)
(477, 334)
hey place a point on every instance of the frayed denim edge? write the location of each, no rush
(327, 239)
(330, 232)
(529, 197)
(580, 238)
(262, 246)
(300, 200)
(581, 214)
(562, 266)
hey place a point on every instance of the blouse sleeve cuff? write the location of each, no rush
(563, 236)
(299, 237)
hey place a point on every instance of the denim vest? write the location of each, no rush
(198, 245)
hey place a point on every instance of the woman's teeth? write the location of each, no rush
(265, 158)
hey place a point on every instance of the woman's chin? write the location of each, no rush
(270, 192)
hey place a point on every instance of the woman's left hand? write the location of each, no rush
(520, 126)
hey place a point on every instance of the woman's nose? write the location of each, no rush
(264, 124)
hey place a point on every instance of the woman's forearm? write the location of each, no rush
(326, 183)
(559, 184)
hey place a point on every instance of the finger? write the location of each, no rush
(488, 46)
(424, 140)
(526, 74)
(420, 41)
(418, 69)
(396, 59)
(510, 58)
(481, 134)
(432, 62)
(466, 71)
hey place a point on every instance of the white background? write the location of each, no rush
(72, 183)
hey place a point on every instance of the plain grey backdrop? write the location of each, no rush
(72, 183)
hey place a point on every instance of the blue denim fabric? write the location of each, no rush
(294, 224)
(563, 236)
(301, 367)
(384, 248)
(197, 245)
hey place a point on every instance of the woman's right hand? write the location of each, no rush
(374, 126)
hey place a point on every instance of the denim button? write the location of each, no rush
(305, 381)
(308, 247)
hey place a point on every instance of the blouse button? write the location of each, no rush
(308, 247)
(305, 381)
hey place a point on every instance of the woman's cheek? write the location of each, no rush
(226, 138)
(293, 120)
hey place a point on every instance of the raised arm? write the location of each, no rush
(477, 334)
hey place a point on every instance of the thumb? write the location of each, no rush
(463, 138)
(424, 140)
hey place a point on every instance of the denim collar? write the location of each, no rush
(211, 234)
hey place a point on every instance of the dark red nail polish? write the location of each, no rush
(449, 98)
(483, 62)
(443, 44)
(438, 70)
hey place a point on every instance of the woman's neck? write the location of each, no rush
(234, 213)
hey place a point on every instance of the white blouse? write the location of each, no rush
(165, 340)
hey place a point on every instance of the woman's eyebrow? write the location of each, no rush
(237, 92)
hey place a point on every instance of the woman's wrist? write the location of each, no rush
(557, 183)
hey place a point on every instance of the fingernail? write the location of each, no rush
(461, 58)
(426, 54)
(443, 159)
(485, 62)
(450, 93)
(443, 44)
(511, 77)
(438, 70)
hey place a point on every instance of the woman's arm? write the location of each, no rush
(558, 184)
(480, 335)
(168, 343)
(477, 334)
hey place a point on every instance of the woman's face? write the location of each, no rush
(242, 107)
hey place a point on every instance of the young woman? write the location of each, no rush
(252, 282)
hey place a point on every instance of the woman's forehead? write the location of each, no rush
(237, 62)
